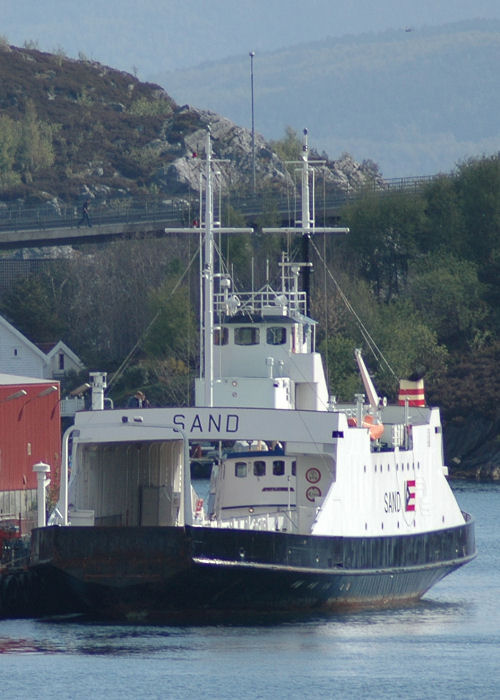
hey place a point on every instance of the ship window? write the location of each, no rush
(294, 468)
(278, 467)
(276, 335)
(240, 469)
(221, 336)
(259, 468)
(306, 332)
(246, 335)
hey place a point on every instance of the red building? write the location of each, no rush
(30, 432)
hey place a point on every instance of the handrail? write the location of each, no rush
(178, 210)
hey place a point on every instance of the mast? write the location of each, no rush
(306, 221)
(307, 225)
(208, 274)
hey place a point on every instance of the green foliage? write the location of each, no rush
(343, 376)
(409, 345)
(35, 146)
(144, 107)
(174, 331)
(9, 141)
(447, 292)
(25, 147)
(445, 225)
(478, 187)
(384, 234)
(34, 306)
(289, 148)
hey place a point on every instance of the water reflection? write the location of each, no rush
(426, 618)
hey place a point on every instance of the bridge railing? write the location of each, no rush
(181, 211)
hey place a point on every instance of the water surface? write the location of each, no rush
(445, 646)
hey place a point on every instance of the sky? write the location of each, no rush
(152, 36)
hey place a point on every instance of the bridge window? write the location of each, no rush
(276, 335)
(221, 336)
(259, 468)
(240, 469)
(278, 467)
(246, 335)
(294, 468)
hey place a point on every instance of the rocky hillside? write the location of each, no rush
(71, 128)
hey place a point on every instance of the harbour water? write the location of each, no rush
(445, 646)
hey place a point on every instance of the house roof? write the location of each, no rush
(43, 350)
(61, 346)
(22, 338)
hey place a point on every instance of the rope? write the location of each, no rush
(377, 352)
(144, 334)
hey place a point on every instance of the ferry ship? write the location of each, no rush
(313, 505)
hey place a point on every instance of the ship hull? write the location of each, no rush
(174, 573)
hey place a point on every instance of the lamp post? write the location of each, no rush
(252, 54)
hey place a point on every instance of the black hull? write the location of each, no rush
(168, 574)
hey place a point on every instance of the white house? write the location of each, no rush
(20, 356)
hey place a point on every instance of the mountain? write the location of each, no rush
(414, 101)
(75, 128)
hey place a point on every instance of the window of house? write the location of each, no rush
(246, 335)
(259, 468)
(61, 360)
(240, 469)
(276, 335)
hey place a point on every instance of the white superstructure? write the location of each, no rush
(289, 459)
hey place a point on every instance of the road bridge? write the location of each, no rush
(55, 225)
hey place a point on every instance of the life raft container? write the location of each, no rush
(376, 429)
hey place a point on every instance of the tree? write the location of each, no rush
(448, 294)
(34, 306)
(445, 228)
(35, 144)
(343, 376)
(383, 238)
(174, 331)
(478, 188)
(409, 345)
(9, 142)
(289, 148)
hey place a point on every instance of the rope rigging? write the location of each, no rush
(144, 334)
(372, 345)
